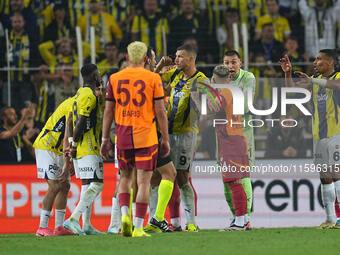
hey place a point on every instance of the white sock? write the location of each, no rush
(337, 189)
(328, 200)
(188, 199)
(176, 222)
(133, 210)
(44, 217)
(125, 210)
(115, 212)
(86, 215)
(246, 218)
(86, 200)
(239, 221)
(153, 201)
(138, 222)
(59, 217)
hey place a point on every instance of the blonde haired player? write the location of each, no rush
(135, 98)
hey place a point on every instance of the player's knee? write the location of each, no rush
(182, 178)
(64, 187)
(53, 188)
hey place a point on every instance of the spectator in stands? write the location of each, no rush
(106, 28)
(31, 24)
(320, 26)
(45, 97)
(285, 142)
(264, 74)
(249, 12)
(77, 8)
(14, 144)
(122, 11)
(67, 84)
(186, 25)
(225, 35)
(267, 45)
(22, 55)
(60, 26)
(214, 12)
(280, 23)
(44, 13)
(61, 52)
(148, 27)
(291, 47)
(109, 65)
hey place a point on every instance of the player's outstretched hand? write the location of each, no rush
(106, 149)
(285, 64)
(165, 149)
(305, 79)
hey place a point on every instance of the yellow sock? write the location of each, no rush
(164, 195)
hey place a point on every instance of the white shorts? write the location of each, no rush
(89, 167)
(182, 149)
(49, 164)
(327, 150)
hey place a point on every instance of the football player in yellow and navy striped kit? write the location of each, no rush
(88, 164)
(183, 81)
(49, 157)
(324, 86)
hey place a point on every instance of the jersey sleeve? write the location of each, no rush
(248, 83)
(86, 105)
(109, 92)
(158, 91)
(167, 75)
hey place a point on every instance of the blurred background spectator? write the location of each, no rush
(106, 28)
(14, 143)
(286, 142)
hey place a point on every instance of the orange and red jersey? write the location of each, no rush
(230, 136)
(134, 90)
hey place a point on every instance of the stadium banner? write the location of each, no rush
(21, 195)
(280, 200)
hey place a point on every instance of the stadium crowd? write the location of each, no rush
(43, 59)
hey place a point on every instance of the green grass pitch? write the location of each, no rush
(258, 241)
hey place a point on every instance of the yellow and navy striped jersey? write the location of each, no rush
(77, 8)
(326, 110)
(106, 29)
(249, 15)
(150, 30)
(119, 9)
(45, 104)
(216, 10)
(182, 117)
(86, 104)
(52, 135)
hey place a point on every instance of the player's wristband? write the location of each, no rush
(74, 144)
(70, 140)
(320, 82)
(105, 139)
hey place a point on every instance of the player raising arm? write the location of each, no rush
(325, 125)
